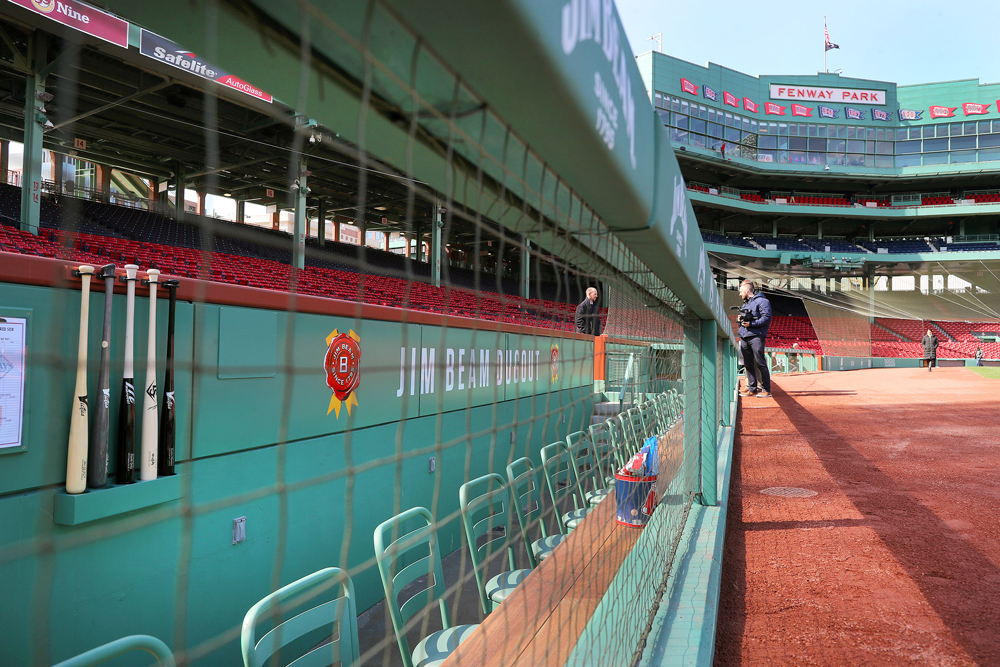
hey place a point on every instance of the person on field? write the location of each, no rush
(979, 356)
(930, 343)
(793, 359)
(588, 319)
(755, 320)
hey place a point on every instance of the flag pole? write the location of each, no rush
(825, 70)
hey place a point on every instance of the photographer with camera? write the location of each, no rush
(755, 319)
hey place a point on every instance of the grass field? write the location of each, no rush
(987, 372)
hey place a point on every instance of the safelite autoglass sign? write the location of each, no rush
(162, 49)
(81, 17)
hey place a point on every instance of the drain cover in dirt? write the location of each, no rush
(788, 492)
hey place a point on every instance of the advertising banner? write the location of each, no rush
(688, 87)
(710, 94)
(973, 109)
(81, 17)
(780, 91)
(772, 109)
(827, 112)
(165, 51)
(942, 112)
(730, 99)
(749, 105)
(880, 114)
(909, 114)
(799, 110)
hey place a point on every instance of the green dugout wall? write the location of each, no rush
(88, 569)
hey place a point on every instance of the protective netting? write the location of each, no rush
(840, 332)
(372, 355)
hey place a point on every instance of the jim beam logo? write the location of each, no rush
(554, 361)
(342, 365)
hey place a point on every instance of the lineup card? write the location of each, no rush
(12, 340)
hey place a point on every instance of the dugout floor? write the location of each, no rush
(896, 558)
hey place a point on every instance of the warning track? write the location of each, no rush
(896, 558)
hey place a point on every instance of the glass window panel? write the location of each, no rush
(915, 132)
(746, 124)
(733, 135)
(869, 147)
(930, 132)
(714, 144)
(903, 147)
(702, 112)
(711, 114)
(852, 132)
(797, 143)
(855, 146)
(812, 131)
(817, 158)
(817, 144)
(664, 117)
(963, 142)
(869, 160)
(698, 125)
(698, 139)
(837, 159)
(766, 156)
(680, 121)
(870, 134)
(772, 128)
(970, 128)
(962, 157)
(935, 158)
(996, 126)
(715, 130)
(989, 140)
(836, 145)
(729, 119)
(684, 106)
(989, 155)
(793, 129)
(935, 145)
(883, 148)
(956, 129)
(797, 157)
(901, 134)
(883, 161)
(783, 127)
(659, 100)
(880, 134)
(766, 141)
(782, 143)
(841, 131)
(907, 160)
(675, 104)
(753, 126)
(855, 160)
(822, 130)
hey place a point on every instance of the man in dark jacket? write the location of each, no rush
(755, 320)
(930, 343)
(588, 320)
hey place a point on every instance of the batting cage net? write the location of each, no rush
(312, 339)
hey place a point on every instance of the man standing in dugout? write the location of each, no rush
(588, 319)
(755, 320)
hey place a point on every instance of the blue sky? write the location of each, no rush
(920, 41)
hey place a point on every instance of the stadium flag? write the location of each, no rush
(826, 37)
(688, 87)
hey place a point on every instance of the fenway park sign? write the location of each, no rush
(781, 91)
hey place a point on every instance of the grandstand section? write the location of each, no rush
(865, 196)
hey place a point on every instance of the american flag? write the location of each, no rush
(826, 34)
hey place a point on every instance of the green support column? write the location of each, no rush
(726, 393)
(321, 223)
(299, 221)
(240, 210)
(179, 185)
(436, 249)
(418, 244)
(34, 121)
(709, 411)
(526, 269)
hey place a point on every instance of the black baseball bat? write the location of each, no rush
(167, 409)
(125, 470)
(97, 453)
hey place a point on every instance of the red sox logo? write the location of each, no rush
(342, 366)
(554, 362)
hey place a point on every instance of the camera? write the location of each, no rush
(744, 316)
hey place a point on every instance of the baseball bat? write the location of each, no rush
(97, 453)
(125, 470)
(167, 429)
(147, 462)
(76, 458)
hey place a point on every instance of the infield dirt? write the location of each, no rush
(896, 558)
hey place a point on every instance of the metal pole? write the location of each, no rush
(436, 248)
(298, 231)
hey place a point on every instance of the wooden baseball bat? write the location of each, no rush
(147, 458)
(76, 459)
(97, 453)
(125, 470)
(167, 408)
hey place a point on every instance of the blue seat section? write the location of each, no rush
(782, 244)
(898, 247)
(967, 247)
(835, 245)
(737, 241)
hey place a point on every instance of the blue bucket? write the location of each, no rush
(636, 498)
